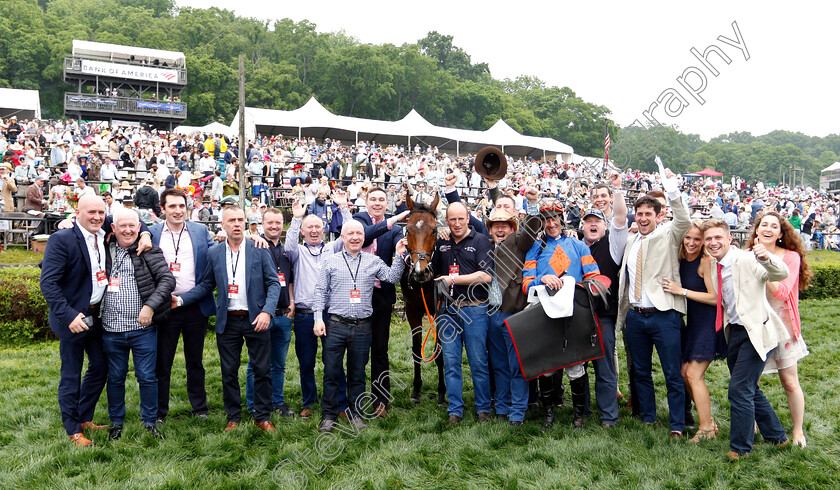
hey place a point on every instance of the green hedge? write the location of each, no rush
(825, 284)
(23, 311)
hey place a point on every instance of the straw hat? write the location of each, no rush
(197, 175)
(500, 215)
(125, 185)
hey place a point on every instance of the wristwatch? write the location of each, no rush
(685, 293)
(180, 302)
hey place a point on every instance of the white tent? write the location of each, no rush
(117, 52)
(313, 120)
(211, 128)
(25, 104)
(833, 167)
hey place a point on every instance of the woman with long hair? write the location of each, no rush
(780, 238)
(701, 344)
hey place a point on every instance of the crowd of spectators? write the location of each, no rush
(66, 159)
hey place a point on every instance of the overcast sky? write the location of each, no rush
(624, 54)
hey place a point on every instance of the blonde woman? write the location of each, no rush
(701, 344)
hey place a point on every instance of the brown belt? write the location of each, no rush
(238, 312)
(643, 310)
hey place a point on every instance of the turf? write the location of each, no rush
(413, 447)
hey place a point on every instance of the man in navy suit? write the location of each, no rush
(247, 299)
(74, 275)
(186, 254)
(381, 237)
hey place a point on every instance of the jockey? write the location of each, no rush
(551, 257)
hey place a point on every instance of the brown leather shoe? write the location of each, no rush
(484, 417)
(306, 413)
(92, 426)
(735, 456)
(454, 419)
(80, 440)
(381, 411)
(342, 415)
(266, 425)
(231, 425)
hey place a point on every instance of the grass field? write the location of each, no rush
(413, 447)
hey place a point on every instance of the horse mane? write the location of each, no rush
(421, 207)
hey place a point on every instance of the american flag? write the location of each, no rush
(606, 142)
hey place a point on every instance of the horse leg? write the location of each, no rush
(416, 340)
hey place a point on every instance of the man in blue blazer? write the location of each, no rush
(74, 275)
(185, 246)
(247, 299)
(381, 237)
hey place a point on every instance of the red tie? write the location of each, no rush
(719, 316)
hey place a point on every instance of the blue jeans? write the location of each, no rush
(747, 404)
(355, 340)
(459, 328)
(142, 344)
(643, 332)
(606, 382)
(519, 389)
(281, 336)
(306, 349)
(498, 352)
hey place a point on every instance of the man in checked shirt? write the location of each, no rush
(345, 289)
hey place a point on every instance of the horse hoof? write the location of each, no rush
(442, 402)
(415, 398)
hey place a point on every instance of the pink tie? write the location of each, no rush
(719, 316)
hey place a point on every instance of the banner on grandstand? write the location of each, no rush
(159, 105)
(135, 72)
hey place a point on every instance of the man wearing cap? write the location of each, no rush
(607, 247)
(552, 257)
(510, 245)
(58, 154)
(206, 164)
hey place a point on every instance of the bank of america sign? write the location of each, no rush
(135, 72)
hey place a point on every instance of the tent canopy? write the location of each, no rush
(834, 166)
(117, 52)
(314, 120)
(710, 172)
(212, 128)
(25, 104)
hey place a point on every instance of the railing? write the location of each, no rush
(73, 66)
(132, 106)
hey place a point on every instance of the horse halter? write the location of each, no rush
(420, 255)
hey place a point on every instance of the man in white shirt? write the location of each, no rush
(84, 189)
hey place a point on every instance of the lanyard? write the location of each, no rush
(320, 249)
(96, 247)
(178, 245)
(115, 269)
(353, 276)
(234, 265)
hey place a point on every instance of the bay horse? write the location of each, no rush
(417, 284)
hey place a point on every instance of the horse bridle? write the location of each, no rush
(420, 255)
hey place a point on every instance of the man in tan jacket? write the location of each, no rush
(651, 316)
(9, 186)
(752, 331)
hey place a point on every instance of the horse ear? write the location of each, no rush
(434, 204)
(409, 202)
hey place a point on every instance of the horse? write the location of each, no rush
(417, 284)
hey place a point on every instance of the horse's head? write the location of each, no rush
(421, 232)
